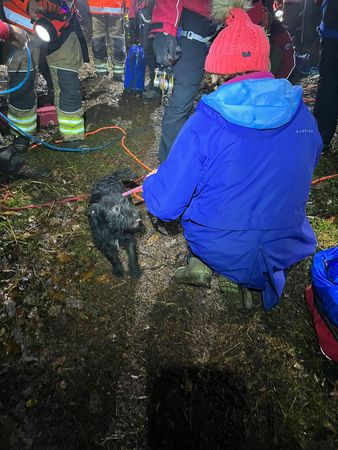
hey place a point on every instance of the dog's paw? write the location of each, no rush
(118, 271)
(135, 272)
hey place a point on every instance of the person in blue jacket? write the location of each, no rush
(239, 172)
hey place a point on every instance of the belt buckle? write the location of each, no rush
(190, 35)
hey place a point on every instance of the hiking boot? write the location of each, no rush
(233, 293)
(195, 273)
(27, 173)
(21, 144)
(152, 94)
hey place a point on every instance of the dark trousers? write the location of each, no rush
(188, 73)
(326, 105)
(147, 45)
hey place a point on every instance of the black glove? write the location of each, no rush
(166, 49)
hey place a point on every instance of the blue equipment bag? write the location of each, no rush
(135, 68)
(325, 283)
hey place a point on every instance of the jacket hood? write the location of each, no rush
(256, 103)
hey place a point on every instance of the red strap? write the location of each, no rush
(4, 31)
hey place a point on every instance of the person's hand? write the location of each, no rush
(166, 49)
(151, 173)
(17, 36)
(35, 8)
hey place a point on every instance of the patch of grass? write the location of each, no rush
(18, 197)
(326, 231)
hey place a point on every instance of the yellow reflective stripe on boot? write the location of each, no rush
(101, 67)
(27, 124)
(118, 70)
(71, 126)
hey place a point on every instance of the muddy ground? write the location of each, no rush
(89, 361)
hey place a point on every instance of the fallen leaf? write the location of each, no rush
(297, 366)
(30, 403)
(25, 235)
(57, 296)
(103, 279)
(86, 276)
(334, 393)
(83, 316)
(64, 257)
(153, 238)
(330, 427)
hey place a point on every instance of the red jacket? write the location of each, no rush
(167, 13)
(4, 31)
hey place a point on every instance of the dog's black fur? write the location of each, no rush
(114, 220)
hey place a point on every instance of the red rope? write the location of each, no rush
(66, 200)
(42, 205)
(319, 180)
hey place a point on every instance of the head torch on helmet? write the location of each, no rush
(45, 30)
(48, 20)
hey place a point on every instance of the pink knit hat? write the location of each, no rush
(240, 47)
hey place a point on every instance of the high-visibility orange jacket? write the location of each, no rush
(110, 7)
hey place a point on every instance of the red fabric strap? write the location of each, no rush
(4, 31)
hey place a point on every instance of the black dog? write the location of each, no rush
(114, 220)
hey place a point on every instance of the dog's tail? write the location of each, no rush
(124, 174)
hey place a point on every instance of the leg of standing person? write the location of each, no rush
(292, 12)
(22, 113)
(22, 103)
(326, 105)
(188, 73)
(145, 14)
(151, 93)
(64, 65)
(99, 45)
(117, 42)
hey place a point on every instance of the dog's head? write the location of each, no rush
(116, 212)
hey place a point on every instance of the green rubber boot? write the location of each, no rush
(195, 273)
(238, 296)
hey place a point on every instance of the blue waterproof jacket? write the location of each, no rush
(239, 175)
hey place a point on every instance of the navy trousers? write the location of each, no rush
(188, 73)
(326, 105)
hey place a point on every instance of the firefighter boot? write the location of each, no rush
(26, 172)
(195, 273)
